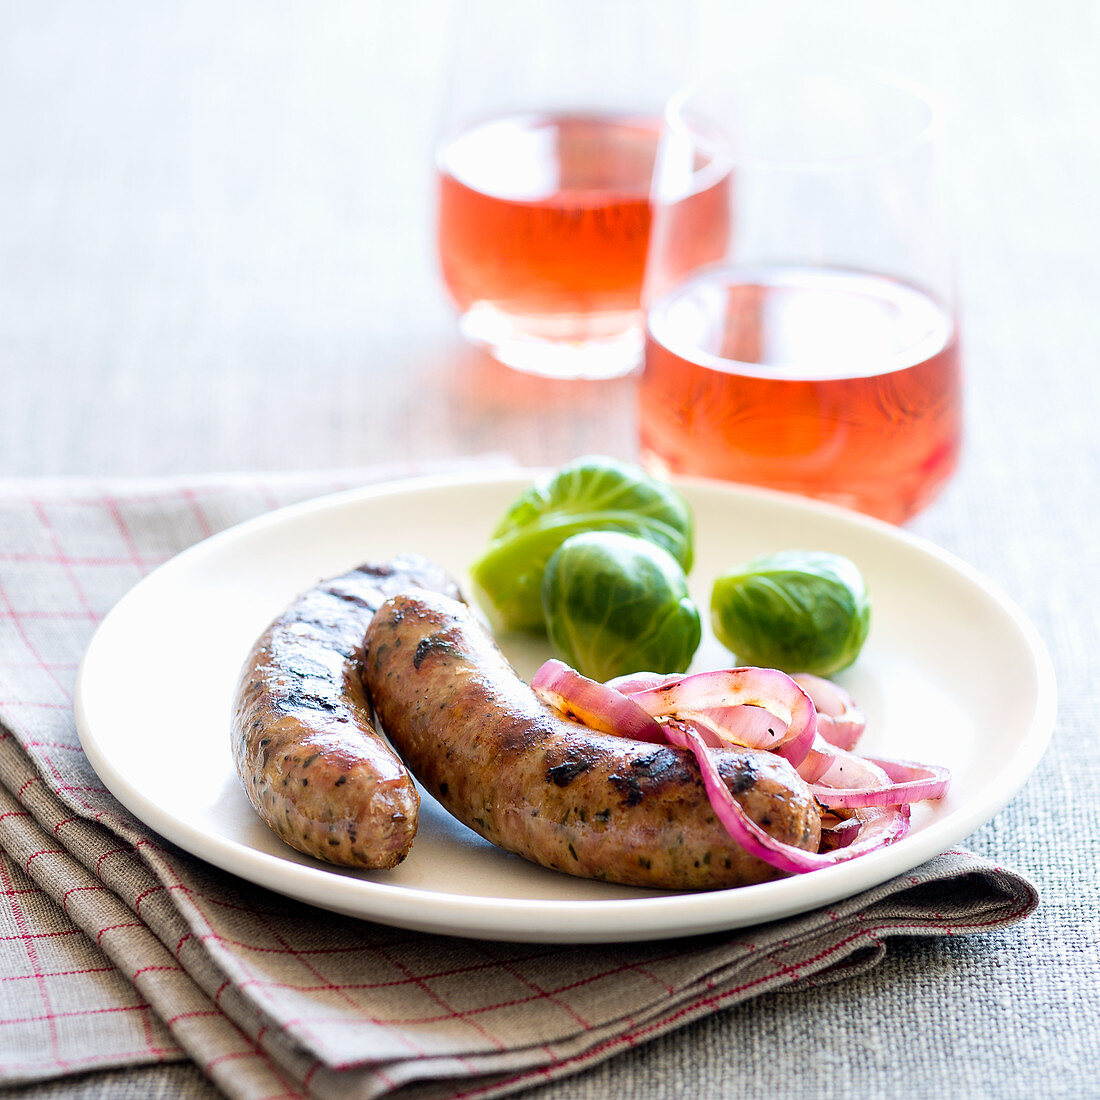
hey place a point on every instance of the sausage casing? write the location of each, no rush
(551, 790)
(304, 742)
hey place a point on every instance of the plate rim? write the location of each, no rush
(594, 920)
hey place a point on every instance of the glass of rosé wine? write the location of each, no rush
(818, 352)
(544, 163)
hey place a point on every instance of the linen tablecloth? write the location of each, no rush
(119, 950)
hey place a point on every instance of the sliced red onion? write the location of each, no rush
(908, 771)
(877, 829)
(746, 706)
(741, 726)
(738, 705)
(839, 720)
(643, 681)
(839, 833)
(913, 782)
(846, 771)
(817, 761)
(598, 706)
(854, 781)
(795, 751)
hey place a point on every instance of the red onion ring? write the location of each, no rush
(744, 706)
(817, 761)
(878, 827)
(840, 833)
(642, 681)
(839, 720)
(924, 781)
(596, 705)
(854, 781)
(736, 705)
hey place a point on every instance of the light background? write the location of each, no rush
(215, 254)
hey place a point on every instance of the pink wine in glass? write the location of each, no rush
(836, 384)
(544, 223)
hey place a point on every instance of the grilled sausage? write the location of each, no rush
(555, 792)
(304, 743)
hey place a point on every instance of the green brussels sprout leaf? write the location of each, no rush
(799, 611)
(590, 494)
(616, 604)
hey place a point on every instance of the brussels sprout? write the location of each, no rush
(615, 604)
(798, 611)
(589, 494)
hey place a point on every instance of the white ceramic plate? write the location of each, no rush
(952, 672)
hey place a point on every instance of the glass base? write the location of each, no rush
(599, 346)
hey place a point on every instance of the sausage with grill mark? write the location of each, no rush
(304, 742)
(549, 789)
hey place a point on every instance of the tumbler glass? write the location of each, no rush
(544, 163)
(819, 353)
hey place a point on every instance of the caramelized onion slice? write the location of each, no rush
(758, 708)
(596, 705)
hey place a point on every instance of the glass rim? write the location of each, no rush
(924, 135)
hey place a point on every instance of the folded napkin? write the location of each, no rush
(119, 950)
